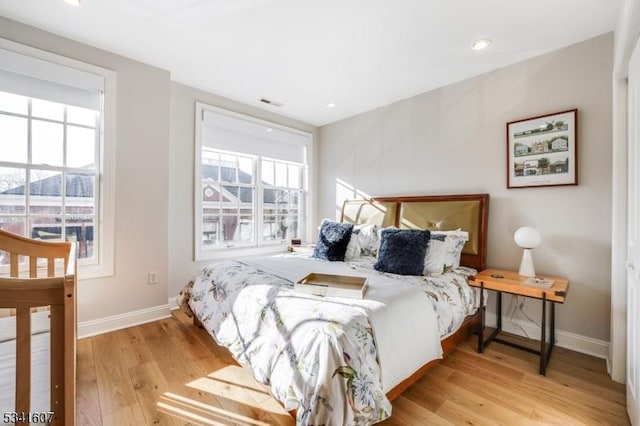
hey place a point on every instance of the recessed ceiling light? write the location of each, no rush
(481, 44)
(268, 130)
(330, 105)
(74, 2)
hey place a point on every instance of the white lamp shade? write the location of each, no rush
(527, 237)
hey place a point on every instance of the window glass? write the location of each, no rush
(13, 103)
(81, 116)
(281, 174)
(46, 109)
(61, 202)
(228, 198)
(45, 192)
(293, 176)
(47, 144)
(268, 172)
(79, 193)
(14, 142)
(252, 185)
(81, 145)
(12, 188)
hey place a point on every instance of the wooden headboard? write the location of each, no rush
(469, 212)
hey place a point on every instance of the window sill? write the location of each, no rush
(89, 272)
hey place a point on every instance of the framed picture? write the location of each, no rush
(543, 151)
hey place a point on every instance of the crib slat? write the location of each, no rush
(33, 267)
(23, 360)
(51, 267)
(13, 268)
(70, 343)
(57, 362)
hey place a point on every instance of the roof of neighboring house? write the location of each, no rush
(228, 175)
(82, 185)
(77, 186)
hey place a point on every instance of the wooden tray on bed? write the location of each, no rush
(319, 284)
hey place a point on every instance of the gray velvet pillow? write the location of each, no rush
(333, 240)
(402, 251)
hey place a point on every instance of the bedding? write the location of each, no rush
(331, 359)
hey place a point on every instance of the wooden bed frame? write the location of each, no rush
(23, 291)
(469, 212)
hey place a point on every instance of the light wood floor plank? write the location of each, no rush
(149, 384)
(115, 390)
(407, 412)
(170, 372)
(133, 348)
(126, 416)
(88, 399)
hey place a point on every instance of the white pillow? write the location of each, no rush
(364, 241)
(455, 244)
(434, 261)
(444, 251)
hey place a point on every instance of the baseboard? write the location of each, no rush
(565, 339)
(120, 321)
(173, 303)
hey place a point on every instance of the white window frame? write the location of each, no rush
(260, 247)
(103, 266)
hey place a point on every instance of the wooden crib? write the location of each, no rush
(25, 289)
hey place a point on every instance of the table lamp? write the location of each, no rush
(528, 238)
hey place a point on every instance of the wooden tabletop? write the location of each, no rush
(511, 282)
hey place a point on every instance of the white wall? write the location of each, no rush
(141, 181)
(452, 140)
(181, 203)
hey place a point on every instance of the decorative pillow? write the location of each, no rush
(455, 243)
(402, 251)
(332, 240)
(434, 262)
(444, 251)
(364, 241)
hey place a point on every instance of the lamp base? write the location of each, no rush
(526, 265)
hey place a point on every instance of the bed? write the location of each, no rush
(334, 360)
(37, 349)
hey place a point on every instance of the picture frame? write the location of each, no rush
(543, 150)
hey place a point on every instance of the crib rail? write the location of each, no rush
(58, 292)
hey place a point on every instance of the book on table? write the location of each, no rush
(352, 287)
(538, 282)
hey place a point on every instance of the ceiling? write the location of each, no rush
(305, 54)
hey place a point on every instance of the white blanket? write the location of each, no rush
(403, 320)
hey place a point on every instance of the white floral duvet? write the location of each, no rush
(318, 355)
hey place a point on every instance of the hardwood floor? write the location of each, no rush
(171, 373)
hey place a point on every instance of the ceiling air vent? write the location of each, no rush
(272, 103)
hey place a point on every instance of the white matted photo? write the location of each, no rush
(542, 151)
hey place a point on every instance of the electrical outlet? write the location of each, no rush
(152, 277)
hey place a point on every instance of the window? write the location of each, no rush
(54, 159)
(251, 176)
